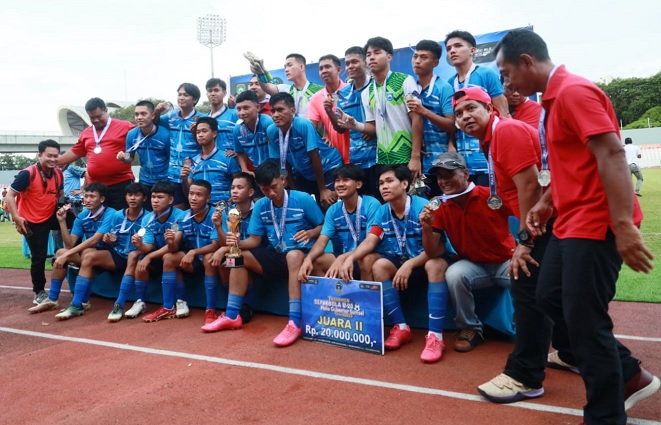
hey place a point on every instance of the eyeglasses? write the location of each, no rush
(452, 163)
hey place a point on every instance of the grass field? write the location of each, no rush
(632, 286)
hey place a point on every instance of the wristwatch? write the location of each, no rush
(525, 238)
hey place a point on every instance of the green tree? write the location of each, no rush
(204, 107)
(651, 118)
(127, 113)
(632, 97)
(15, 162)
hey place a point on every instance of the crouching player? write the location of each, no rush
(346, 224)
(125, 224)
(397, 235)
(242, 191)
(90, 225)
(291, 221)
(188, 248)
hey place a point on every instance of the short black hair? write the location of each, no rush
(401, 171)
(266, 172)
(163, 187)
(136, 188)
(191, 89)
(202, 183)
(48, 143)
(464, 35)
(380, 43)
(350, 171)
(298, 57)
(430, 46)
(213, 82)
(247, 95)
(146, 103)
(335, 59)
(97, 187)
(211, 122)
(249, 178)
(518, 42)
(355, 50)
(95, 102)
(283, 97)
(628, 141)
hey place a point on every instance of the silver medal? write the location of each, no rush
(544, 178)
(142, 232)
(494, 202)
(97, 150)
(221, 205)
(408, 97)
(335, 97)
(434, 204)
(174, 227)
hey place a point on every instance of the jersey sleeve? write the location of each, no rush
(272, 133)
(492, 83)
(585, 112)
(257, 226)
(78, 229)
(371, 211)
(236, 133)
(233, 166)
(306, 129)
(312, 211)
(314, 114)
(21, 181)
(365, 98)
(445, 92)
(106, 221)
(328, 229)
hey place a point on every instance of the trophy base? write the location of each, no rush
(233, 262)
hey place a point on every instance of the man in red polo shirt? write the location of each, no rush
(100, 143)
(522, 108)
(596, 226)
(31, 200)
(480, 236)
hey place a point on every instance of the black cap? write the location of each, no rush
(448, 161)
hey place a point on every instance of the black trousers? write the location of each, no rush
(115, 196)
(576, 283)
(38, 243)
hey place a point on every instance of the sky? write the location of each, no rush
(64, 52)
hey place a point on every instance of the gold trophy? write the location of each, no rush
(234, 259)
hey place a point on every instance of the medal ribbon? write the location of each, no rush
(445, 198)
(97, 138)
(284, 145)
(355, 231)
(139, 142)
(280, 228)
(401, 238)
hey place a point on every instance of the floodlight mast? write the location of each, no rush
(211, 32)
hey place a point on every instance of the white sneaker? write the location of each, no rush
(138, 308)
(182, 309)
(45, 305)
(116, 314)
(40, 297)
(87, 306)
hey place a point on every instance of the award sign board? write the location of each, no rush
(347, 314)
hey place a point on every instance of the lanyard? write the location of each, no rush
(96, 214)
(139, 142)
(190, 217)
(280, 228)
(299, 94)
(401, 238)
(431, 86)
(284, 145)
(126, 216)
(492, 173)
(355, 231)
(381, 102)
(542, 131)
(445, 198)
(153, 216)
(98, 138)
(218, 113)
(466, 80)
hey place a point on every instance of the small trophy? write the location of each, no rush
(234, 259)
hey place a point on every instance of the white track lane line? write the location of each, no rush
(309, 373)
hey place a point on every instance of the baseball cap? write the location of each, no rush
(470, 93)
(448, 161)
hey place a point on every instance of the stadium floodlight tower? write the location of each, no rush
(211, 32)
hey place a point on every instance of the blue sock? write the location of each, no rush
(82, 285)
(247, 299)
(140, 289)
(169, 285)
(125, 289)
(295, 311)
(437, 300)
(234, 303)
(211, 287)
(55, 288)
(391, 305)
(180, 290)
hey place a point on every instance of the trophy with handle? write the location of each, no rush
(234, 259)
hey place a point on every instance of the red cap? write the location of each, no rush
(470, 93)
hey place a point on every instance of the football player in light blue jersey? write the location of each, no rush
(211, 164)
(150, 240)
(190, 248)
(243, 190)
(300, 150)
(291, 221)
(250, 141)
(345, 225)
(89, 227)
(362, 147)
(125, 224)
(226, 117)
(151, 142)
(433, 103)
(182, 141)
(396, 234)
(461, 46)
